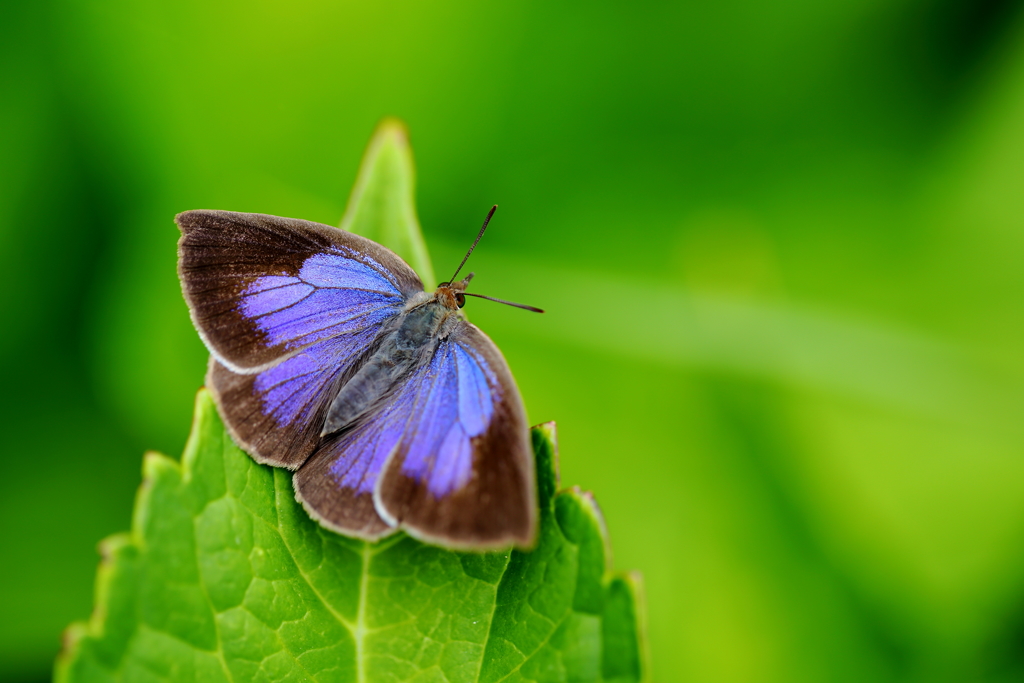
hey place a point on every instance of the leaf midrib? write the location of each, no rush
(358, 629)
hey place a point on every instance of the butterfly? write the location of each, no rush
(328, 358)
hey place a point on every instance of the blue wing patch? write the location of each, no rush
(331, 295)
(432, 420)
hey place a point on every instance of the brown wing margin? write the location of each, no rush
(241, 408)
(497, 508)
(336, 507)
(221, 252)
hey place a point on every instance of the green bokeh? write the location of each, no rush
(781, 247)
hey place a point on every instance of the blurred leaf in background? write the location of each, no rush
(781, 248)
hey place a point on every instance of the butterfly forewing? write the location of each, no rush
(261, 287)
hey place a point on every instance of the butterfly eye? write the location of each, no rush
(460, 299)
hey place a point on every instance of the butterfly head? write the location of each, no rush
(453, 294)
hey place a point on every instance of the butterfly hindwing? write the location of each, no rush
(276, 414)
(447, 458)
(336, 484)
(463, 473)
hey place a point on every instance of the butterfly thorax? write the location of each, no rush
(410, 344)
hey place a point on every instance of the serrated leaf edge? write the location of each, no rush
(156, 463)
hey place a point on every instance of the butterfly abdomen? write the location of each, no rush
(399, 353)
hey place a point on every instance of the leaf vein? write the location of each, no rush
(330, 608)
(490, 617)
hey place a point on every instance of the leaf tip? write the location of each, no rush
(626, 656)
(70, 639)
(110, 546)
(154, 464)
(388, 146)
(587, 504)
(382, 205)
(390, 129)
(545, 449)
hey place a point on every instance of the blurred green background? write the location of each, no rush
(781, 246)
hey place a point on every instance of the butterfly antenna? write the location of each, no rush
(475, 242)
(507, 303)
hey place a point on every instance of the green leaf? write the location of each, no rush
(383, 203)
(224, 577)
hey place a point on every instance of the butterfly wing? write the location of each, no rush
(261, 287)
(287, 309)
(448, 458)
(276, 414)
(336, 484)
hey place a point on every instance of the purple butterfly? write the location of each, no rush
(329, 359)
